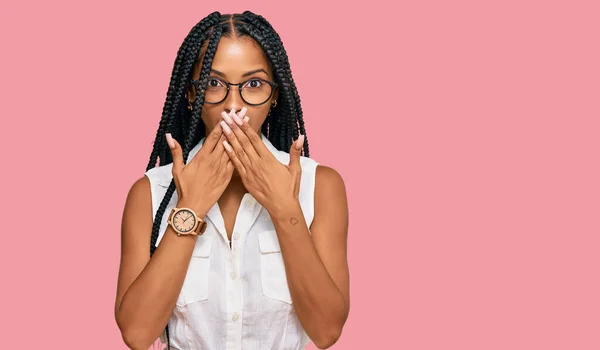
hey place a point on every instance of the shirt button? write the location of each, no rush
(235, 317)
(232, 274)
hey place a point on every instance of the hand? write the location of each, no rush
(202, 181)
(273, 184)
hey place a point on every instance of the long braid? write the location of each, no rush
(292, 85)
(211, 19)
(281, 127)
(180, 126)
(194, 127)
(197, 123)
(291, 110)
(186, 56)
(286, 64)
(172, 103)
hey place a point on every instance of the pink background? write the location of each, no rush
(466, 132)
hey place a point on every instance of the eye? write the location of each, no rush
(254, 84)
(215, 83)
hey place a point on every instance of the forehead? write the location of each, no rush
(236, 56)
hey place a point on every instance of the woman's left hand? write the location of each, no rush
(273, 184)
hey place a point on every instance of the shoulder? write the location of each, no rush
(329, 184)
(138, 206)
(139, 191)
(328, 177)
(331, 201)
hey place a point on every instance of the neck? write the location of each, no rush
(236, 184)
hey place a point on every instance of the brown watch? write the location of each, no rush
(185, 222)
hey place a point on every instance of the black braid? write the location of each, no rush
(186, 57)
(264, 25)
(281, 127)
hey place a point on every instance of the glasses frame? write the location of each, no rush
(196, 84)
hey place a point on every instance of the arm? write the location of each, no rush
(315, 265)
(147, 288)
(316, 261)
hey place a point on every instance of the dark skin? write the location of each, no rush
(234, 58)
(315, 257)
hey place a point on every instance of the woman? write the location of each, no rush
(247, 237)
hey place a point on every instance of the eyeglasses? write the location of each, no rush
(254, 91)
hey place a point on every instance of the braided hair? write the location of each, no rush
(281, 127)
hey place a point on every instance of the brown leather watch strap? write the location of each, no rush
(200, 226)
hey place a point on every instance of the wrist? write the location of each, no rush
(198, 208)
(285, 208)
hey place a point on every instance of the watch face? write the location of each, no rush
(184, 220)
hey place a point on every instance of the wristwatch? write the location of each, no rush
(185, 222)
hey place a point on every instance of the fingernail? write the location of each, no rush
(300, 142)
(225, 127)
(170, 141)
(227, 146)
(233, 111)
(237, 119)
(227, 118)
(246, 119)
(243, 112)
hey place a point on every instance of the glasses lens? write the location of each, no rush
(256, 91)
(215, 91)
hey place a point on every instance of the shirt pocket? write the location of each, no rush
(272, 269)
(195, 285)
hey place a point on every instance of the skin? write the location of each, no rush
(234, 58)
(315, 257)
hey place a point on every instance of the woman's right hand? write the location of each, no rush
(201, 182)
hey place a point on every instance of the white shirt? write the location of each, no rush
(238, 297)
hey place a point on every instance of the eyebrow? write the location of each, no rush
(243, 75)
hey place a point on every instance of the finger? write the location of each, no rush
(224, 156)
(255, 139)
(176, 153)
(295, 153)
(234, 123)
(234, 158)
(210, 143)
(230, 167)
(212, 140)
(219, 149)
(233, 142)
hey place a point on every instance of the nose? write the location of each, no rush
(233, 100)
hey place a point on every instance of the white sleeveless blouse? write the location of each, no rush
(238, 297)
